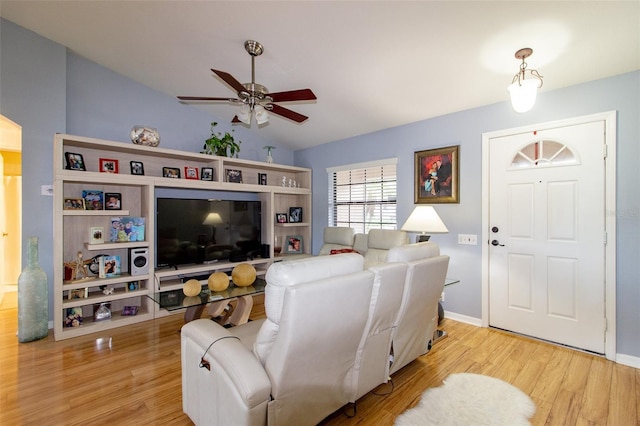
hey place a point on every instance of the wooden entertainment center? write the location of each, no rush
(72, 226)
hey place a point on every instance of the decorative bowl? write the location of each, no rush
(144, 135)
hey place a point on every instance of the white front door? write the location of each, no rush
(547, 234)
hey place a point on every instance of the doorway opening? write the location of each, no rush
(10, 211)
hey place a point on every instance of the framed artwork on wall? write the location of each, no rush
(437, 175)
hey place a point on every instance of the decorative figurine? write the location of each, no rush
(269, 156)
(284, 181)
(78, 269)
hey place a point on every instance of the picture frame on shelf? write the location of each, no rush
(137, 168)
(129, 310)
(108, 165)
(127, 229)
(295, 214)
(93, 199)
(72, 317)
(113, 201)
(171, 172)
(293, 244)
(437, 173)
(109, 266)
(191, 173)
(206, 173)
(281, 218)
(233, 175)
(73, 204)
(74, 161)
(262, 178)
(96, 235)
(78, 293)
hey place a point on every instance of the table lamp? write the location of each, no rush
(212, 220)
(424, 220)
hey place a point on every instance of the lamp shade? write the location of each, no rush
(523, 94)
(212, 219)
(424, 219)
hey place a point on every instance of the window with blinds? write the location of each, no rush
(363, 197)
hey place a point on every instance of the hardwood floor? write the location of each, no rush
(132, 376)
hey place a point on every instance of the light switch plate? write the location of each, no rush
(468, 239)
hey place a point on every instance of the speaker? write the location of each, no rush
(138, 261)
(264, 251)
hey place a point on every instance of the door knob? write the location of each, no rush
(4, 234)
(496, 243)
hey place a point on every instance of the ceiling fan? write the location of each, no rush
(255, 98)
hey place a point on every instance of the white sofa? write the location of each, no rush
(326, 341)
(418, 315)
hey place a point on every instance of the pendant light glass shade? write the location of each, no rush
(523, 94)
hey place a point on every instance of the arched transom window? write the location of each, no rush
(544, 153)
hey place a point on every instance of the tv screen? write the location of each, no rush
(191, 231)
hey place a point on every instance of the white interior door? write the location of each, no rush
(547, 230)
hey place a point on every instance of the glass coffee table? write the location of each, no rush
(218, 302)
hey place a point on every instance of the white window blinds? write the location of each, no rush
(363, 197)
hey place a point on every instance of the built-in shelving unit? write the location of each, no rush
(72, 227)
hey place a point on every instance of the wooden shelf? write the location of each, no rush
(71, 227)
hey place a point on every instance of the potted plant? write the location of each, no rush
(219, 144)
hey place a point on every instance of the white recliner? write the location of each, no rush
(372, 360)
(379, 242)
(302, 364)
(418, 315)
(337, 238)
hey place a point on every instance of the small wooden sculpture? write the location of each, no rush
(78, 269)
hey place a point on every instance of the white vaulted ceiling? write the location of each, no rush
(372, 65)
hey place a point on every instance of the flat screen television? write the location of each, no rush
(192, 231)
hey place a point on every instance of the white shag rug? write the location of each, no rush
(470, 399)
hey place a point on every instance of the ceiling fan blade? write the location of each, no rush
(293, 95)
(287, 113)
(203, 98)
(230, 80)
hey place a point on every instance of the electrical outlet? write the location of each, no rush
(46, 190)
(468, 239)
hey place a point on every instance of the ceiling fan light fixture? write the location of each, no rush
(523, 92)
(261, 114)
(244, 114)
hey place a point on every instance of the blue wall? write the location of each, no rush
(47, 90)
(465, 128)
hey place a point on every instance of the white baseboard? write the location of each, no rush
(631, 361)
(628, 360)
(463, 318)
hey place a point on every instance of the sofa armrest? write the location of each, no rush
(234, 385)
